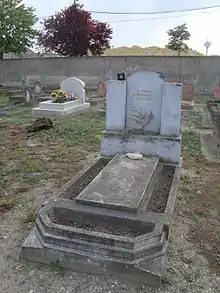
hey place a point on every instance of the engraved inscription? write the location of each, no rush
(146, 94)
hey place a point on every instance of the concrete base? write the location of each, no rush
(147, 271)
(166, 148)
(119, 232)
(47, 108)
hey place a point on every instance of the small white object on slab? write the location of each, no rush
(134, 156)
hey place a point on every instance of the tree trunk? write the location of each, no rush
(180, 67)
(1, 55)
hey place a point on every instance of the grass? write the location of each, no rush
(54, 154)
(31, 217)
(191, 119)
(3, 99)
(191, 145)
(195, 120)
(6, 204)
(83, 129)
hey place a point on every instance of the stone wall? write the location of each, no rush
(203, 72)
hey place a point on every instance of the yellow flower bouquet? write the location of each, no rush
(59, 96)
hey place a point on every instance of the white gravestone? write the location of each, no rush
(116, 105)
(75, 87)
(145, 101)
(171, 109)
(144, 97)
(37, 88)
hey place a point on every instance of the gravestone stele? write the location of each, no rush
(143, 115)
(75, 87)
(101, 91)
(144, 97)
(217, 92)
(37, 88)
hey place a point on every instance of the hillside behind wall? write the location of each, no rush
(202, 71)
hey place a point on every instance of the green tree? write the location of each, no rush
(177, 38)
(16, 27)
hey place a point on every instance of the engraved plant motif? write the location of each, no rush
(141, 118)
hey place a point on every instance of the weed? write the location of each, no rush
(6, 203)
(31, 217)
(56, 267)
(195, 120)
(191, 144)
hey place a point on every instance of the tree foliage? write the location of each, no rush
(177, 36)
(16, 27)
(73, 32)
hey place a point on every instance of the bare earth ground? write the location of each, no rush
(33, 170)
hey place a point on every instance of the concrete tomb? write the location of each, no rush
(143, 115)
(75, 88)
(115, 216)
(214, 111)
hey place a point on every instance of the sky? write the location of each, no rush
(203, 25)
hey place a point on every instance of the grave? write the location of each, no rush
(214, 111)
(115, 216)
(217, 92)
(143, 115)
(188, 96)
(101, 91)
(72, 86)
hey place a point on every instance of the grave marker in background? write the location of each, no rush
(217, 92)
(188, 95)
(101, 91)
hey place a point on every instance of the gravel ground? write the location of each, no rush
(187, 271)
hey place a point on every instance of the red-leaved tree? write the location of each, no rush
(73, 32)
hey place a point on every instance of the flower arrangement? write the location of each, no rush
(59, 96)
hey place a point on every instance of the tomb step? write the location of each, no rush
(147, 271)
(121, 185)
(101, 249)
(150, 237)
(79, 234)
(37, 112)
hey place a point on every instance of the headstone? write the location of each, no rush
(143, 116)
(217, 92)
(116, 105)
(27, 95)
(74, 86)
(188, 94)
(101, 91)
(144, 101)
(37, 88)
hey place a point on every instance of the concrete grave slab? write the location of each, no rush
(122, 184)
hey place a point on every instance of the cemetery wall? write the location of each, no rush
(203, 72)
